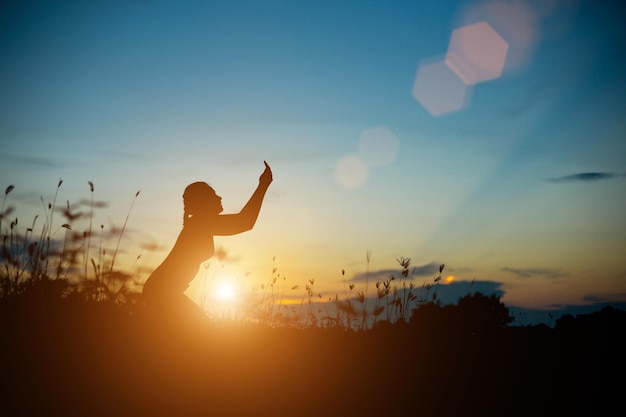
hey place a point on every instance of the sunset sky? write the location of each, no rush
(521, 183)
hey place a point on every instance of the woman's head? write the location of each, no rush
(200, 198)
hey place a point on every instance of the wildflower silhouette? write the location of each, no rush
(202, 220)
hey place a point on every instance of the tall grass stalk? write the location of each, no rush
(3, 214)
(368, 255)
(50, 221)
(119, 239)
(88, 245)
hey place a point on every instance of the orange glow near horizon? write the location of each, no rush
(290, 301)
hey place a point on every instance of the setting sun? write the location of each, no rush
(225, 291)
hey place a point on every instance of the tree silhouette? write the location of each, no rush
(482, 315)
(474, 314)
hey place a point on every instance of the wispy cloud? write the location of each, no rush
(585, 177)
(152, 246)
(605, 298)
(373, 276)
(282, 155)
(127, 155)
(35, 161)
(97, 204)
(426, 270)
(549, 273)
(430, 270)
(222, 254)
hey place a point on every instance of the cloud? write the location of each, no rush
(97, 204)
(534, 272)
(17, 251)
(36, 161)
(128, 155)
(293, 155)
(221, 254)
(374, 276)
(605, 298)
(428, 270)
(585, 177)
(152, 246)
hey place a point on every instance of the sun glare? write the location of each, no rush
(450, 278)
(225, 291)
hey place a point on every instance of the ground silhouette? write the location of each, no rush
(71, 356)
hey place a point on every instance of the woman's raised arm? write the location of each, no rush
(231, 224)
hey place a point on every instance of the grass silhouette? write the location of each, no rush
(78, 342)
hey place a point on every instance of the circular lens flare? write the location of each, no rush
(351, 172)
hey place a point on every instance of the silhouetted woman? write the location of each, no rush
(163, 290)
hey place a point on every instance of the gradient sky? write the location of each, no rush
(524, 186)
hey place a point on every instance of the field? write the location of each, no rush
(73, 357)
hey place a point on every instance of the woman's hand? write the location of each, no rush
(266, 177)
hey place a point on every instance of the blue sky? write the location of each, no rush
(523, 187)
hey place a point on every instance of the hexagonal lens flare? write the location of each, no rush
(514, 20)
(439, 89)
(476, 53)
